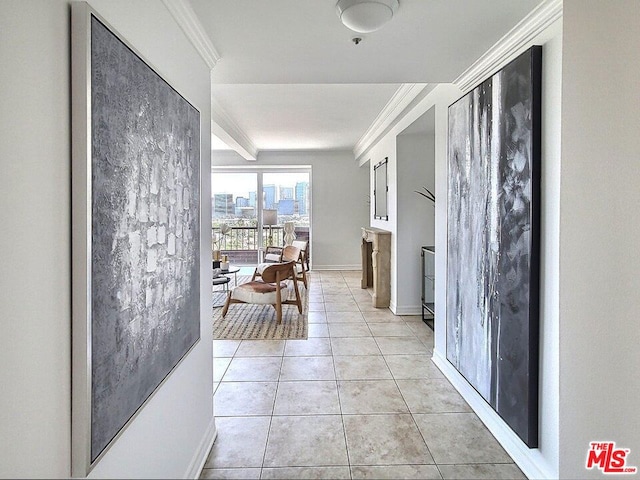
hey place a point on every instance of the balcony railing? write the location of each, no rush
(241, 243)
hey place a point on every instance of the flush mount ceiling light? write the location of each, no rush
(364, 16)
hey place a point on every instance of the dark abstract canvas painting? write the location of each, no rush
(493, 241)
(145, 224)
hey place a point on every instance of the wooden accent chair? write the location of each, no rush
(270, 290)
(303, 260)
(296, 252)
(287, 254)
(303, 245)
(273, 255)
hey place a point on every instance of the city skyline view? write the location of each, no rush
(240, 184)
(234, 197)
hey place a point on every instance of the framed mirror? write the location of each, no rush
(380, 190)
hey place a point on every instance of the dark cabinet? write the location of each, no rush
(428, 285)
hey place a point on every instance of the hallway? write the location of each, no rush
(359, 399)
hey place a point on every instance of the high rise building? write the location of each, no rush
(269, 196)
(286, 193)
(223, 206)
(302, 197)
(252, 199)
(241, 202)
(286, 206)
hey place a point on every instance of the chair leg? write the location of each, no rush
(295, 289)
(226, 304)
(255, 274)
(278, 307)
(278, 304)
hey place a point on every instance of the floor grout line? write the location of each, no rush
(273, 408)
(319, 292)
(344, 427)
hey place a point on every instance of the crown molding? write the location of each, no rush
(519, 36)
(223, 125)
(186, 18)
(226, 129)
(394, 107)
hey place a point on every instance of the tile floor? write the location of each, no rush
(359, 399)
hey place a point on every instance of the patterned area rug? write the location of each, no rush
(258, 322)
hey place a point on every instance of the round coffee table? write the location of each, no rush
(224, 281)
(233, 270)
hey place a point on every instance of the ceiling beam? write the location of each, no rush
(222, 125)
(226, 129)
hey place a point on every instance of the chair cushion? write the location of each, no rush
(261, 266)
(272, 257)
(258, 292)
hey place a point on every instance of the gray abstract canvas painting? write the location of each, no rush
(493, 241)
(145, 274)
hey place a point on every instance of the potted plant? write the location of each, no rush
(428, 194)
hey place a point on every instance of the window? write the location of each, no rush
(243, 200)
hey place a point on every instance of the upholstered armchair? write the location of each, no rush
(289, 253)
(273, 254)
(283, 255)
(271, 289)
(303, 245)
(303, 260)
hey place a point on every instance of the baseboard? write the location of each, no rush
(406, 309)
(528, 459)
(336, 267)
(200, 456)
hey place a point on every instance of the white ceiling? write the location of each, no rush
(289, 71)
(304, 117)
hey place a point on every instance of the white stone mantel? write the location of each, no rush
(376, 264)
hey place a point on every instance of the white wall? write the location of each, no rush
(541, 462)
(416, 216)
(600, 227)
(438, 100)
(546, 457)
(411, 166)
(339, 195)
(387, 148)
(35, 152)
(170, 435)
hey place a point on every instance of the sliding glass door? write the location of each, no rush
(234, 216)
(249, 208)
(288, 193)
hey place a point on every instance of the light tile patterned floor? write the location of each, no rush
(359, 399)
